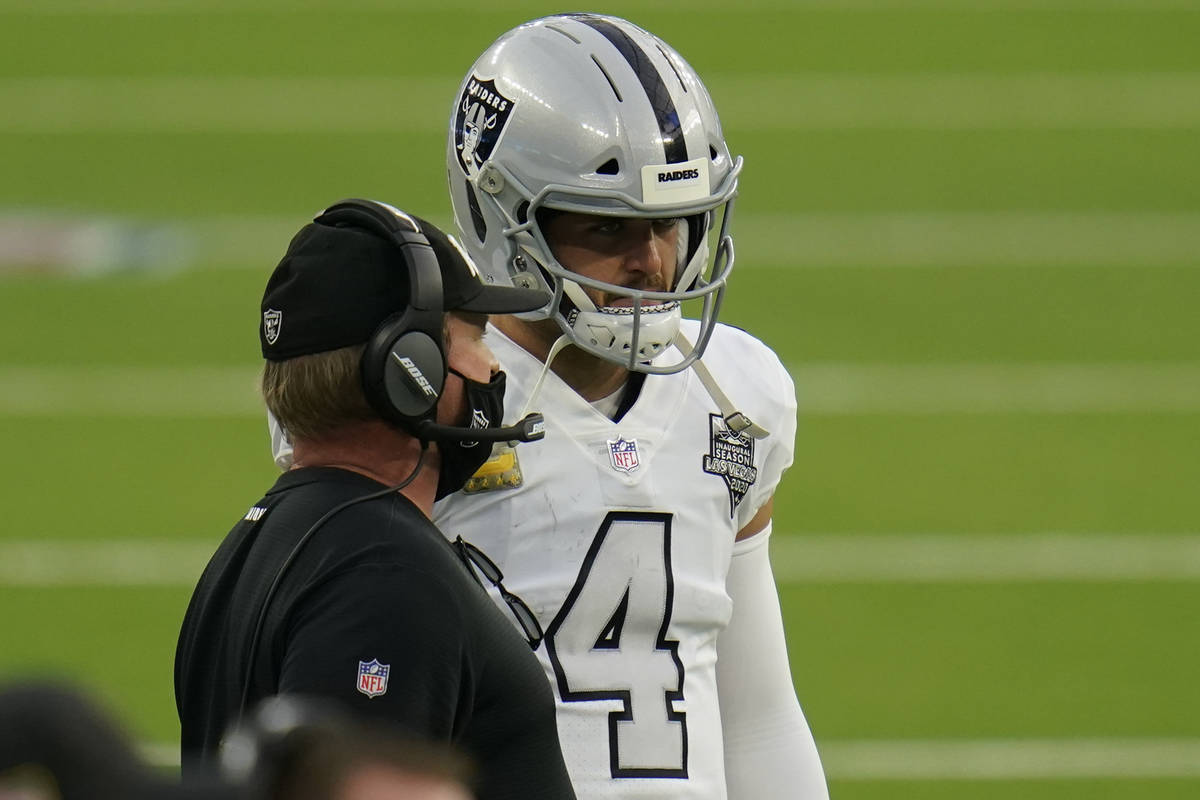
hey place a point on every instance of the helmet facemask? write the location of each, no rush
(636, 325)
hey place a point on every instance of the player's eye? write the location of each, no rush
(608, 228)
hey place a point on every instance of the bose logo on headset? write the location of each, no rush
(416, 374)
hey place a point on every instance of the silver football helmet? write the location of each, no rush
(591, 114)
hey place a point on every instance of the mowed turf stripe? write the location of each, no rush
(966, 759)
(797, 558)
(1011, 759)
(968, 239)
(973, 558)
(932, 101)
(834, 389)
(765, 240)
(169, 7)
(996, 388)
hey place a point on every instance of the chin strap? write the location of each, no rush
(735, 420)
(555, 349)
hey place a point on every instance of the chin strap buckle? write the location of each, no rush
(739, 423)
(735, 420)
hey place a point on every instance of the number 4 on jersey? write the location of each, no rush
(609, 642)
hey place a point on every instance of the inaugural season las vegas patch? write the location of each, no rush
(501, 471)
(731, 456)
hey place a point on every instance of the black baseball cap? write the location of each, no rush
(335, 285)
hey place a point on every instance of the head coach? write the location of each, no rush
(335, 583)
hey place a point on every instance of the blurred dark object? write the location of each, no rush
(310, 749)
(56, 742)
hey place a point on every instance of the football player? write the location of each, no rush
(585, 158)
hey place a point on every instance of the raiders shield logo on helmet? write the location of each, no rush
(478, 122)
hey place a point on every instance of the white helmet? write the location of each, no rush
(592, 114)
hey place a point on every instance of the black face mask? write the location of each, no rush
(461, 460)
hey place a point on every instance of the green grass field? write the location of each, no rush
(970, 228)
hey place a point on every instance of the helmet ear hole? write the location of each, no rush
(610, 167)
(478, 223)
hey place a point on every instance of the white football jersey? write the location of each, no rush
(619, 538)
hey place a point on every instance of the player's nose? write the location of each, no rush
(644, 256)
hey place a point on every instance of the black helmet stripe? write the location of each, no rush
(674, 146)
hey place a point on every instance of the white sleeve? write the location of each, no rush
(775, 409)
(769, 751)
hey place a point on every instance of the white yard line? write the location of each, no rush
(106, 563)
(831, 388)
(797, 558)
(925, 101)
(968, 759)
(129, 391)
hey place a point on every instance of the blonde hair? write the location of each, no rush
(314, 395)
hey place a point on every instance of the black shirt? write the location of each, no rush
(377, 611)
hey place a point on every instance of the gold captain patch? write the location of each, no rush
(501, 471)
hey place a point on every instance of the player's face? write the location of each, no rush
(630, 252)
(467, 353)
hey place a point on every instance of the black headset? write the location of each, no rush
(404, 364)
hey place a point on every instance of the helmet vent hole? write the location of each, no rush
(477, 220)
(673, 68)
(558, 30)
(610, 167)
(607, 77)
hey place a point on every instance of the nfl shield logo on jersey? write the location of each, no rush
(373, 677)
(624, 454)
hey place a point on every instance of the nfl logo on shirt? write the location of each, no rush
(624, 454)
(373, 677)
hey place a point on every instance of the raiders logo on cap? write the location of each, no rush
(272, 322)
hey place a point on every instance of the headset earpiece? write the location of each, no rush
(404, 363)
(404, 371)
